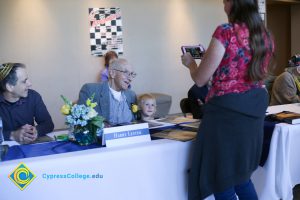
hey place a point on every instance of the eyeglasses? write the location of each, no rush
(127, 73)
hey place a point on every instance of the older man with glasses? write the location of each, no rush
(114, 98)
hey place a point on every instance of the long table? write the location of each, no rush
(281, 172)
(154, 170)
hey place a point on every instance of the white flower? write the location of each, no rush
(92, 113)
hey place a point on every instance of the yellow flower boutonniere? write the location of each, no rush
(134, 108)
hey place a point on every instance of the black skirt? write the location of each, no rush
(229, 142)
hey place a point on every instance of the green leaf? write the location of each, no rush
(92, 97)
(66, 101)
(97, 121)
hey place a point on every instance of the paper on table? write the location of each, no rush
(193, 125)
(38, 140)
(156, 124)
(176, 134)
(42, 139)
(10, 143)
(179, 120)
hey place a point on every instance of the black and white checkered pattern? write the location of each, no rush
(107, 35)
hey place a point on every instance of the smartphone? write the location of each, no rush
(196, 51)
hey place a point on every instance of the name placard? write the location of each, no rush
(123, 135)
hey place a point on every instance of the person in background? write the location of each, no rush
(21, 107)
(147, 104)
(108, 58)
(113, 97)
(229, 140)
(286, 87)
(196, 99)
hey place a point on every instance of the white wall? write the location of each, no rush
(52, 38)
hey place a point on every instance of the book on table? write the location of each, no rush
(287, 116)
(178, 120)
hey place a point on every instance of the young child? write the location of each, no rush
(147, 105)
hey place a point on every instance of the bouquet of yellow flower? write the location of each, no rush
(83, 119)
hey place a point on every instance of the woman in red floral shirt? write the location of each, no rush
(229, 140)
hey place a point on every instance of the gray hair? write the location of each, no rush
(119, 63)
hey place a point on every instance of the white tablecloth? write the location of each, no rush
(148, 171)
(281, 172)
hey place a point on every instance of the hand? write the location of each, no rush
(25, 135)
(188, 61)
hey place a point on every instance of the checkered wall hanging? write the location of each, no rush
(105, 30)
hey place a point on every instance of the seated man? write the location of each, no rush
(286, 87)
(113, 97)
(21, 107)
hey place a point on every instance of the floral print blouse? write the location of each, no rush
(231, 74)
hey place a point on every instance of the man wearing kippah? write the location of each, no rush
(286, 87)
(114, 98)
(20, 107)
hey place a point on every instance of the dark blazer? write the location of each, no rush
(101, 91)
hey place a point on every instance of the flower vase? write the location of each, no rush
(83, 136)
